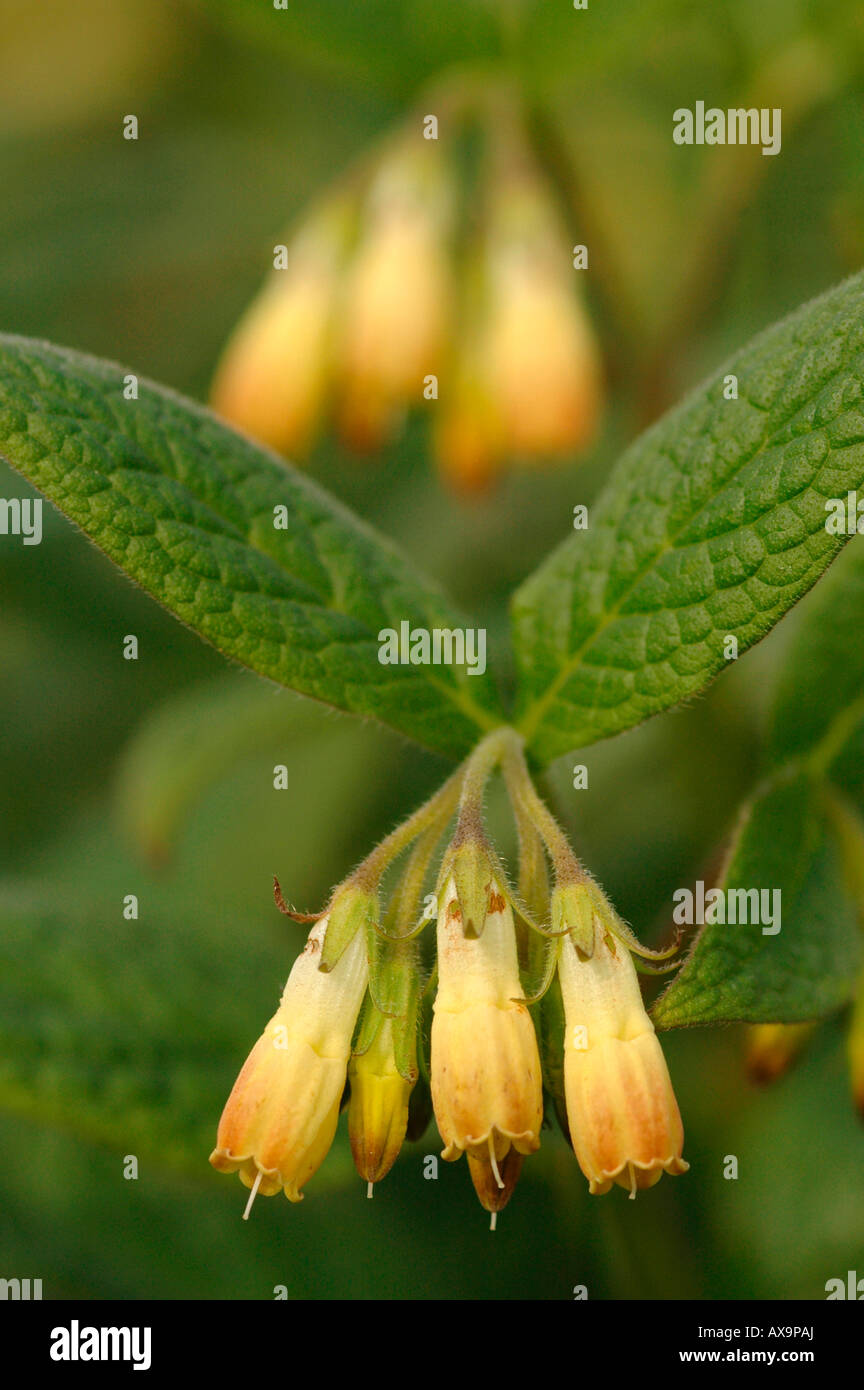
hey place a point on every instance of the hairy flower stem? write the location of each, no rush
(530, 808)
(476, 771)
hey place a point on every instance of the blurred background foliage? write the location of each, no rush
(155, 777)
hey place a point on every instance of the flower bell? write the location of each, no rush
(274, 376)
(543, 365)
(772, 1048)
(280, 1118)
(396, 307)
(624, 1121)
(486, 1080)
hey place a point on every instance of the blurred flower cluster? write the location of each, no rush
(437, 276)
(532, 1007)
(773, 1048)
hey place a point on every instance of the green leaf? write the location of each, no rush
(186, 507)
(738, 973)
(391, 45)
(816, 722)
(124, 1033)
(711, 525)
(188, 744)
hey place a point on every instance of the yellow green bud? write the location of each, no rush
(378, 1108)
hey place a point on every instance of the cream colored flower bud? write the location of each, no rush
(280, 1118)
(396, 311)
(486, 1083)
(621, 1109)
(274, 374)
(543, 362)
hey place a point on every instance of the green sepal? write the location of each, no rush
(470, 866)
(351, 910)
(403, 1033)
(544, 964)
(394, 974)
(368, 1028)
(573, 909)
(404, 1030)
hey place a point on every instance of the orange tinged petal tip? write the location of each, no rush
(477, 1145)
(248, 1171)
(465, 451)
(636, 1175)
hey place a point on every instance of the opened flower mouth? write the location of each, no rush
(351, 1017)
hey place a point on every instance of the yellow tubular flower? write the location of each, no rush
(397, 306)
(485, 1067)
(273, 377)
(280, 1118)
(624, 1121)
(543, 362)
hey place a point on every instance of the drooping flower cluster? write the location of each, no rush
(521, 972)
(417, 284)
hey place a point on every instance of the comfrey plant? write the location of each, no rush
(606, 1070)
(709, 528)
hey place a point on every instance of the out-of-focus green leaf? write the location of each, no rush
(797, 1211)
(797, 835)
(820, 692)
(394, 44)
(741, 972)
(186, 507)
(191, 741)
(129, 1033)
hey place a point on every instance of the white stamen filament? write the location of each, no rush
(253, 1194)
(493, 1160)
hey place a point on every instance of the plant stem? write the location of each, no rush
(528, 803)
